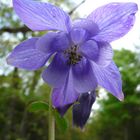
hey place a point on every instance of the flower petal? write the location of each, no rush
(82, 110)
(114, 20)
(83, 76)
(44, 43)
(26, 56)
(61, 42)
(56, 72)
(109, 78)
(78, 35)
(100, 53)
(40, 16)
(53, 42)
(105, 54)
(86, 24)
(90, 50)
(66, 94)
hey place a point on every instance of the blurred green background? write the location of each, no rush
(113, 120)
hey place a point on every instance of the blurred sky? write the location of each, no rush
(129, 40)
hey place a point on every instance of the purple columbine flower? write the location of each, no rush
(82, 55)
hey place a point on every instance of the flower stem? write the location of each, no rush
(51, 122)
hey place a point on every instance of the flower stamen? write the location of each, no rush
(73, 56)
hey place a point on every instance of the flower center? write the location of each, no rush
(73, 56)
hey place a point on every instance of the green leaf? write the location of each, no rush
(37, 106)
(60, 121)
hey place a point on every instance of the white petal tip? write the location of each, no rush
(121, 98)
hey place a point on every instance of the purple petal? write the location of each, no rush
(53, 42)
(105, 54)
(61, 42)
(66, 94)
(78, 35)
(26, 56)
(114, 20)
(82, 110)
(83, 76)
(88, 25)
(56, 72)
(44, 43)
(100, 53)
(109, 78)
(90, 50)
(40, 16)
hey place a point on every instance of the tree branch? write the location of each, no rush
(23, 29)
(72, 11)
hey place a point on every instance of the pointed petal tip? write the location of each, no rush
(135, 5)
(8, 60)
(82, 127)
(121, 97)
(62, 110)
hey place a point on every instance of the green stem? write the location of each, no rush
(51, 122)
